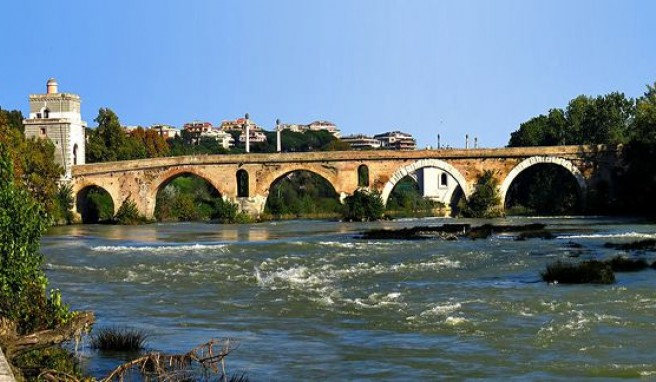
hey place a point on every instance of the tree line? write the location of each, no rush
(611, 119)
(110, 142)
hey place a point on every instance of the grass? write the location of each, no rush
(119, 339)
(586, 272)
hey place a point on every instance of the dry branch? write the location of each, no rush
(17, 345)
(163, 367)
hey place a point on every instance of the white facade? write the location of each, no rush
(224, 138)
(56, 117)
(359, 142)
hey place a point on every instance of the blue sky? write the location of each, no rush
(420, 66)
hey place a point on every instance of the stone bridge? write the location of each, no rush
(441, 174)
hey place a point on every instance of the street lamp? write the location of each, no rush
(278, 143)
(248, 133)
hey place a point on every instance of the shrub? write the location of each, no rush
(128, 214)
(484, 202)
(587, 272)
(57, 358)
(23, 284)
(363, 206)
(63, 212)
(119, 339)
(225, 211)
(624, 264)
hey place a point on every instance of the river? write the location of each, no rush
(306, 300)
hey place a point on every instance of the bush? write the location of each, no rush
(363, 206)
(624, 264)
(128, 214)
(225, 211)
(63, 212)
(57, 358)
(484, 202)
(587, 272)
(23, 284)
(119, 339)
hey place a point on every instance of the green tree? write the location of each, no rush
(484, 202)
(364, 206)
(128, 214)
(23, 284)
(106, 141)
(645, 117)
(33, 161)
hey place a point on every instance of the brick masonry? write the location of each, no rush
(141, 179)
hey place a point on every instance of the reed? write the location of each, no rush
(119, 339)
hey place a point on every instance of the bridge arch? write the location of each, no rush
(310, 185)
(526, 163)
(327, 173)
(90, 213)
(167, 176)
(411, 170)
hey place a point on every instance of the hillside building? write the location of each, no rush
(396, 140)
(361, 142)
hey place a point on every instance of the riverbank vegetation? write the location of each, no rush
(32, 317)
(302, 194)
(484, 201)
(119, 339)
(34, 168)
(406, 201)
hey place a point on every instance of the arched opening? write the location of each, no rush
(95, 205)
(186, 197)
(428, 170)
(544, 189)
(46, 113)
(457, 201)
(363, 176)
(407, 200)
(444, 180)
(242, 184)
(75, 154)
(302, 194)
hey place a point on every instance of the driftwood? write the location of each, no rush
(17, 345)
(206, 358)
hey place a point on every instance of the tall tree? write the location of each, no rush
(108, 139)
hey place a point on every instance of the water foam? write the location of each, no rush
(626, 235)
(158, 248)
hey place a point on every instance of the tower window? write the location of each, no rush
(46, 113)
(42, 131)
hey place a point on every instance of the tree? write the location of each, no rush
(645, 117)
(484, 202)
(107, 140)
(34, 166)
(364, 206)
(23, 284)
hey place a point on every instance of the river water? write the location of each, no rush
(307, 300)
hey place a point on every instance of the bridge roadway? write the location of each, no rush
(440, 173)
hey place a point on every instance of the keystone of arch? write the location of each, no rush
(411, 169)
(526, 163)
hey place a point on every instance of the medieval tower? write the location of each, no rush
(56, 116)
